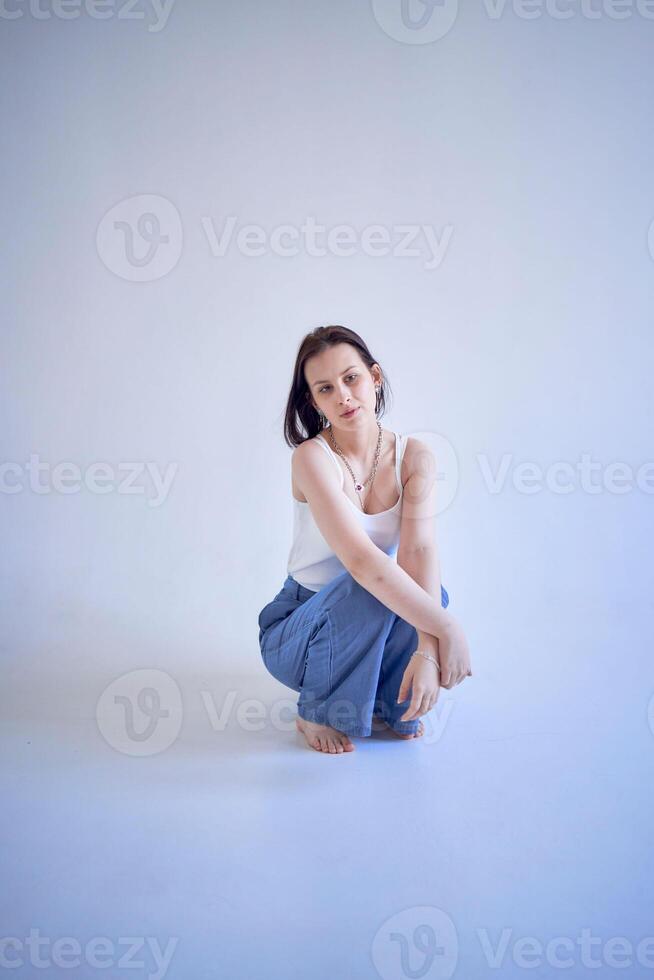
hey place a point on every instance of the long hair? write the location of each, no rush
(300, 414)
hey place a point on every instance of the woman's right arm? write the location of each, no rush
(368, 565)
(380, 574)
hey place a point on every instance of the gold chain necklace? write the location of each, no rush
(358, 486)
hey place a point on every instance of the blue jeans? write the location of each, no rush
(343, 650)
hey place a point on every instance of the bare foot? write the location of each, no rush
(421, 730)
(324, 738)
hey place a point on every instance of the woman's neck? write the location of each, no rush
(360, 444)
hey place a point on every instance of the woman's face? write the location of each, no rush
(338, 380)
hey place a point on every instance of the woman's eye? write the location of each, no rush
(325, 387)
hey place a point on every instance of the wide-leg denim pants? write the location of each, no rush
(343, 650)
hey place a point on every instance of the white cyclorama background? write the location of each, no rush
(530, 342)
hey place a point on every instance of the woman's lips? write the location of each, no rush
(351, 414)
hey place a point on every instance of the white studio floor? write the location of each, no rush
(238, 852)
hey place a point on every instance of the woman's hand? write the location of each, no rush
(424, 679)
(454, 655)
(421, 677)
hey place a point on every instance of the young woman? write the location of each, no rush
(359, 627)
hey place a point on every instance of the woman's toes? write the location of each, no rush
(324, 740)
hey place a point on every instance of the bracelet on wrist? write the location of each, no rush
(427, 656)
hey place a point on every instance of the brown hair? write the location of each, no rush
(298, 406)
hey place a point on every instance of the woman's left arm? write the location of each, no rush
(417, 554)
(453, 661)
(423, 566)
(417, 551)
(422, 678)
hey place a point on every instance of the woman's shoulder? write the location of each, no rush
(307, 446)
(306, 452)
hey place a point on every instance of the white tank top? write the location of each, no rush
(311, 561)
